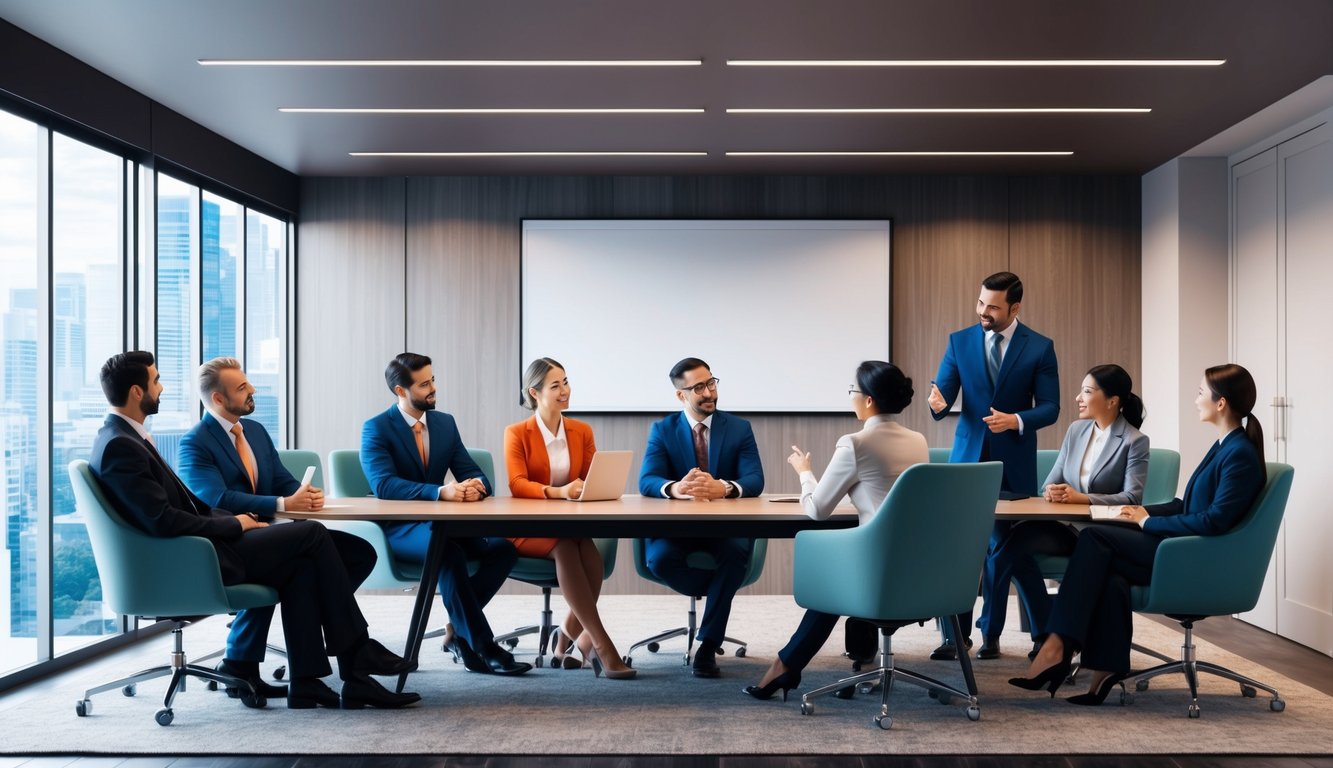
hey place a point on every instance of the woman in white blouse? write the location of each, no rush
(864, 467)
(1103, 460)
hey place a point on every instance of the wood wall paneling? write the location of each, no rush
(459, 280)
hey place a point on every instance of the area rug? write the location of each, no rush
(666, 710)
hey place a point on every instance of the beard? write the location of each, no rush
(244, 409)
(422, 405)
(149, 405)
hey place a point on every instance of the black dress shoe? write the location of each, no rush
(311, 692)
(502, 662)
(947, 651)
(990, 649)
(372, 658)
(705, 661)
(249, 672)
(364, 691)
(1036, 648)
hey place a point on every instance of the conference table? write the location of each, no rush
(768, 516)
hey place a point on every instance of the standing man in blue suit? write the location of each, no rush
(1010, 383)
(701, 454)
(405, 453)
(229, 461)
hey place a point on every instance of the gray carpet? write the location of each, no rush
(666, 711)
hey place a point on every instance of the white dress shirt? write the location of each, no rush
(557, 452)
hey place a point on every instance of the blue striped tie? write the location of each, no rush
(993, 359)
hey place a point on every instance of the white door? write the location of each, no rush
(1254, 311)
(1305, 577)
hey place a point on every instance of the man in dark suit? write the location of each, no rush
(1010, 383)
(230, 462)
(405, 453)
(320, 617)
(701, 454)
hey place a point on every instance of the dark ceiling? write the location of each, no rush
(1271, 50)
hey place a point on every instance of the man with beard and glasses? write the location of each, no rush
(1010, 383)
(406, 452)
(230, 462)
(701, 454)
(320, 617)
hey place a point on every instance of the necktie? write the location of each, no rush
(247, 458)
(418, 431)
(700, 447)
(993, 359)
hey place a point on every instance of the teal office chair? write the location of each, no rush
(1045, 463)
(1194, 577)
(940, 455)
(173, 579)
(919, 557)
(297, 461)
(704, 561)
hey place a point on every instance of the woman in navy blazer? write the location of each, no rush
(1092, 614)
(1103, 460)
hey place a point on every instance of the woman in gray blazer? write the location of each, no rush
(864, 467)
(1103, 461)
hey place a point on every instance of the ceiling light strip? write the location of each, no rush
(975, 62)
(902, 154)
(940, 111)
(487, 111)
(528, 154)
(450, 62)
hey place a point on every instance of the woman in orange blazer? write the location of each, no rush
(548, 458)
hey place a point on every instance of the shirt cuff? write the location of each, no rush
(447, 493)
(281, 503)
(739, 490)
(808, 477)
(1020, 423)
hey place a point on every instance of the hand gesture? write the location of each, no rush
(1000, 422)
(798, 460)
(936, 400)
(250, 522)
(1133, 513)
(306, 499)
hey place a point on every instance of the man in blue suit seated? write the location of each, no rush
(405, 453)
(229, 461)
(701, 454)
(1010, 383)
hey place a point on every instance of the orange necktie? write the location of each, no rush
(417, 430)
(247, 458)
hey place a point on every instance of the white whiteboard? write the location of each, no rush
(783, 311)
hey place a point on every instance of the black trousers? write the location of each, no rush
(320, 617)
(1092, 612)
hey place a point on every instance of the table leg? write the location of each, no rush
(430, 575)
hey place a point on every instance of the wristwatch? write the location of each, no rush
(731, 490)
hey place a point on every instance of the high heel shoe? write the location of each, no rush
(1050, 678)
(1097, 695)
(564, 660)
(787, 681)
(611, 674)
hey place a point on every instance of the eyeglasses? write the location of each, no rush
(704, 386)
(854, 391)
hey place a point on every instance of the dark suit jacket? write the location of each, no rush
(1118, 474)
(145, 491)
(1219, 493)
(212, 469)
(393, 467)
(1028, 385)
(732, 454)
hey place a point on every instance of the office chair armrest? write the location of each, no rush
(1204, 575)
(136, 577)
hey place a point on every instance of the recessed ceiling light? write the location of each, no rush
(975, 62)
(528, 154)
(898, 154)
(450, 62)
(941, 111)
(487, 111)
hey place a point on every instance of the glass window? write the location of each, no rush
(22, 144)
(220, 257)
(265, 319)
(87, 327)
(178, 328)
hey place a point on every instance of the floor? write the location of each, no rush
(1283, 656)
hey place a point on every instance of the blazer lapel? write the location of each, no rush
(1011, 355)
(977, 341)
(684, 441)
(1114, 438)
(575, 448)
(398, 427)
(223, 443)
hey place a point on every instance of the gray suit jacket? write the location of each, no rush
(1117, 475)
(864, 466)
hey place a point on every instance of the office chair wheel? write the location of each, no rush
(253, 701)
(211, 685)
(512, 642)
(1126, 698)
(945, 699)
(629, 662)
(279, 673)
(83, 707)
(164, 716)
(129, 691)
(1141, 685)
(653, 647)
(866, 687)
(807, 708)
(1277, 705)
(740, 652)
(884, 721)
(1247, 691)
(974, 713)
(539, 663)
(1193, 712)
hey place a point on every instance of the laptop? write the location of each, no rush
(606, 476)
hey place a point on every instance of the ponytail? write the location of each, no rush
(1133, 409)
(1237, 385)
(1114, 381)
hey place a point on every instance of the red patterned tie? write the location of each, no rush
(700, 447)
